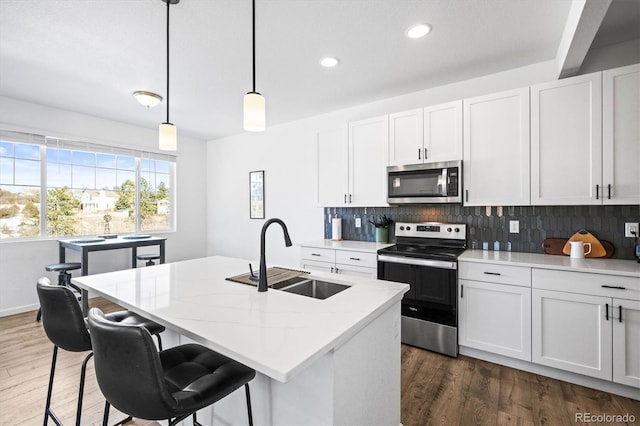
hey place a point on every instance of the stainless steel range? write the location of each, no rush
(426, 257)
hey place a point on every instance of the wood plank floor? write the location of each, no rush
(435, 389)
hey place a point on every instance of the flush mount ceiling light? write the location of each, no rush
(148, 99)
(418, 31)
(167, 132)
(254, 103)
(329, 62)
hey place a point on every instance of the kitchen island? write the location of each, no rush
(332, 361)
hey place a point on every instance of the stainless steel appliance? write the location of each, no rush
(426, 257)
(427, 183)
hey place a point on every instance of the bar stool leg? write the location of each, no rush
(47, 408)
(246, 389)
(105, 415)
(83, 373)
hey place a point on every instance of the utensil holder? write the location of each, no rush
(382, 235)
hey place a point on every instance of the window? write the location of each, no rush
(89, 189)
(19, 189)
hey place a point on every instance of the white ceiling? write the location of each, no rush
(90, 55)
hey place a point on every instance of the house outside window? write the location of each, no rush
(86, 189)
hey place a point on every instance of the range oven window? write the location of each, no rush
(432, 296)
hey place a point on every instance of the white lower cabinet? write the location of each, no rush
(345, 262)
(494, 309)
(570, 332)
(587, 324)
(626, 342)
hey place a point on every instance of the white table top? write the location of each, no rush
(629, 268)
(276, 333)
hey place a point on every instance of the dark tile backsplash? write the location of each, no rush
(536, 223)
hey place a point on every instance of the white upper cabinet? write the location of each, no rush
(430, 134)
(351, 164)
(621, 135)
(566, 141)
(406, 133)
(496, 149)
(332, 150)
(368, 144)
(443, 132)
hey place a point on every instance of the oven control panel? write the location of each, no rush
(456, 231)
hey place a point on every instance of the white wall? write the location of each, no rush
(287, 154)
(22, 262)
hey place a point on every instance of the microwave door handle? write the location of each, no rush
(445, 179)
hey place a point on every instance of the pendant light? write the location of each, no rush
(168, 133)
(254, 103)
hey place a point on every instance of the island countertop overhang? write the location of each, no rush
(277, 333)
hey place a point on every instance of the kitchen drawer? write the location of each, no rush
(587, 283)
(357, 258)
(318, 254)
(489, 272)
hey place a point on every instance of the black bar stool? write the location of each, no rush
(64, 278)
(149, 258)
(66, 328)
(168, 385)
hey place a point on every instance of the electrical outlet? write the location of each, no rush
(514, 226)
(630, 228)
(358, 222)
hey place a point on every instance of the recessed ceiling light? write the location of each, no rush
(418, 31)
(329, 62)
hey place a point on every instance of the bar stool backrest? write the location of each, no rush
(62, 317)
(128, 369)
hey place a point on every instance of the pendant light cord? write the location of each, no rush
(168, 4)
(253, 33)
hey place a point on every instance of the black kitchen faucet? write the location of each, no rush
(262, 282)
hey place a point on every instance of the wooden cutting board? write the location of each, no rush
(556, 245)
(597, 250)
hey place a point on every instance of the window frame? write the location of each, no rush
(45, 142)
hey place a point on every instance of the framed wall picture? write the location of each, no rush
(256, 194)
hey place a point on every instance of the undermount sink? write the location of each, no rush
(310, 287)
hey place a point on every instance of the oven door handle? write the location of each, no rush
(419, 262)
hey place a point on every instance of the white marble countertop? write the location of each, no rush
(365, 246)
(629, 268)
(276, 333)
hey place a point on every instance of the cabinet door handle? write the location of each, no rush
(345, 198)
(466, 194)
(493, 273)
(354, 258)
(606, 311)
(315, 254)
(461, 291)
(425, 153)
(616, 287)
(609, 191)
(620, 313)
(349, 198)
(412, 309)
(419, 153)
(337, 271)
(332, 269)
(597, 192)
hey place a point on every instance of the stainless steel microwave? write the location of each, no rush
(428, 183)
